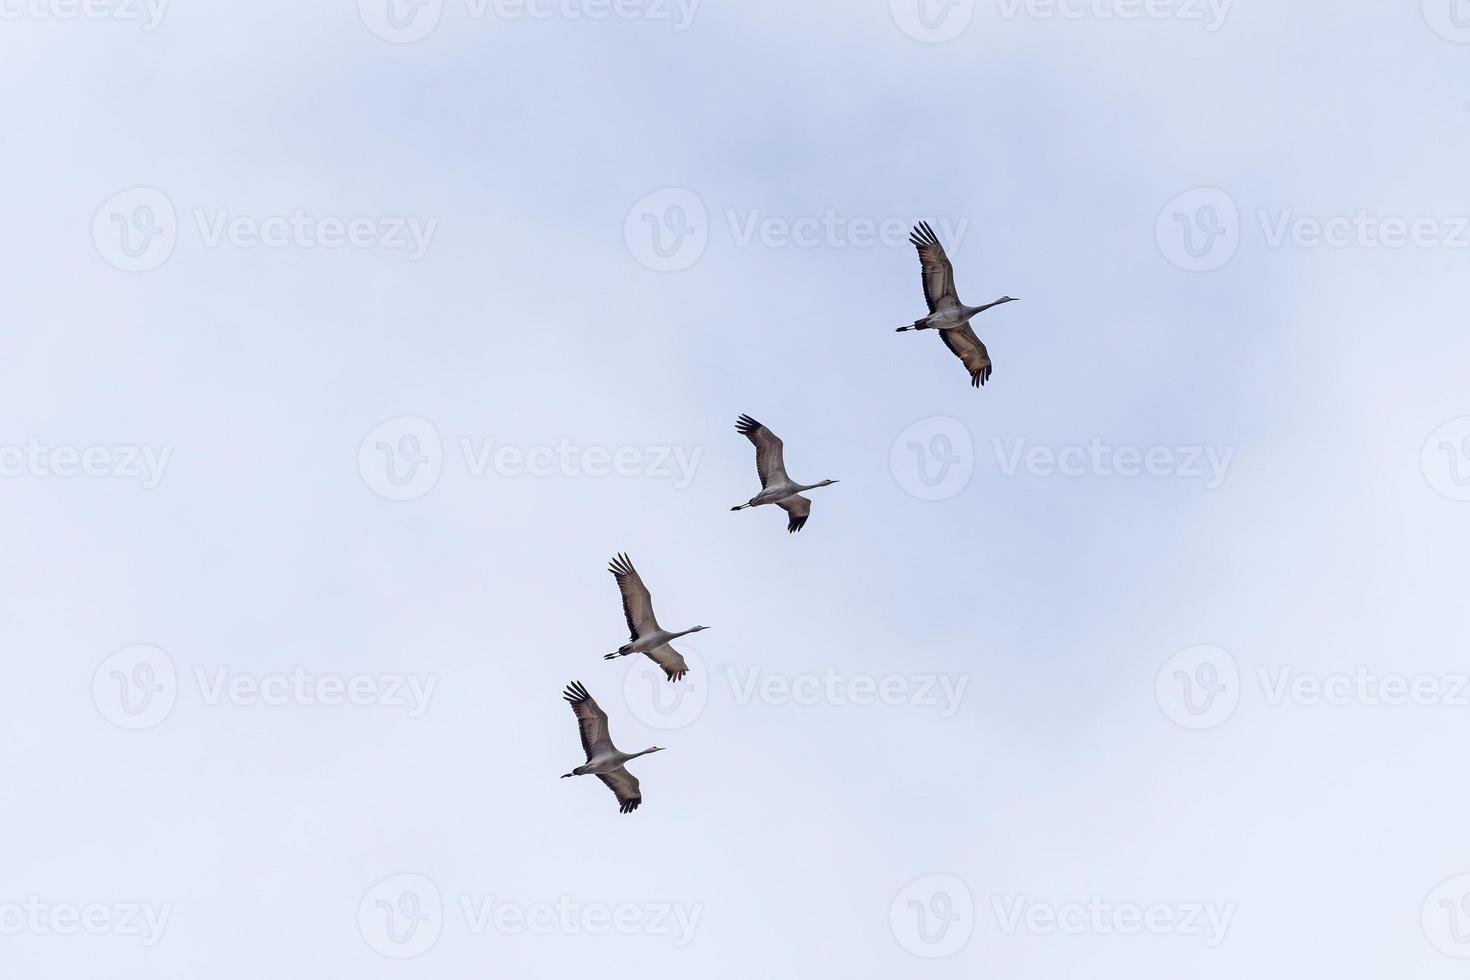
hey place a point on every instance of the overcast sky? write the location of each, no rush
(346, 342)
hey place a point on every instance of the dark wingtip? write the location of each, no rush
(923, 235)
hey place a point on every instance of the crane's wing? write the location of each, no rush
(938, 273)
(768, 451)
(625, 787)
(591, 720)
(671, 660)
(637, 603)
(968, 348)
(799, 508)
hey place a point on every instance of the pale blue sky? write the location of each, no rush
(1328, 546)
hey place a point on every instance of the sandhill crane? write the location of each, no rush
(946, 313)
(648, 637)
(776, 487)
(603, 758)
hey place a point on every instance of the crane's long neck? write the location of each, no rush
(675, 636)
(982, 309)
(634, 755)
